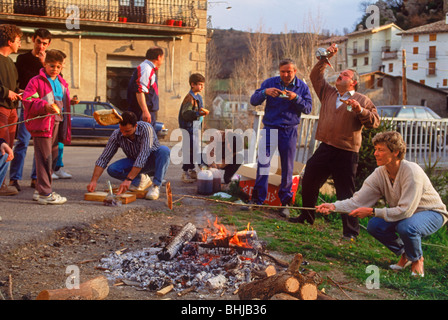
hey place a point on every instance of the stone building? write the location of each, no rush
(105, 40)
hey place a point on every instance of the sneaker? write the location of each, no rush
(403, 263)
(8, 191)
(15, 184)
(193, 174)
(53, 198)
(62, 174)
(145, 183)
(186, 177)
(153, 193)
(284, 212)
(36, 195)
(54, 176)
(417, 268)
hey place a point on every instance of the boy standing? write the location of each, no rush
(28, 66)
(143, 91)
(190, 118)
(47, 95)
(9, 88)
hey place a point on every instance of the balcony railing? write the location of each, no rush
(157, 12)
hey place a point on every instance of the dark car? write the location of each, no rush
(84, 126)
(417, 125)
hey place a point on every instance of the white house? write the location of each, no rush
(426, 54)
(369, 49)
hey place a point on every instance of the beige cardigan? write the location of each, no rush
(411, 192)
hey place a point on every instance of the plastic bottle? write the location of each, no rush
(216, 180)
(205, 182)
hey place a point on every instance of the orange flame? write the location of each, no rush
(220, 232)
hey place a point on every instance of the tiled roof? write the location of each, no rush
(435, 27)
(374, 30)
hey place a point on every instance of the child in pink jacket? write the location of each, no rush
(46, 96)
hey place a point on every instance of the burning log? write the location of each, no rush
(291, 282)
(186, 234)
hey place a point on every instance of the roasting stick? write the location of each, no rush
(244, 204)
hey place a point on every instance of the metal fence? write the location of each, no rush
(160, 12)
(426, 141)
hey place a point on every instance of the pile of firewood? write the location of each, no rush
(286, 285)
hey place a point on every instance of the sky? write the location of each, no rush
(279, 16)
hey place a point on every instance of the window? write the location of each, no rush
(355, 47)
(433, 37)
(355, 62)
(366, 61)
(432, 68)
(432, 52)
(415, 66)
(391, 67)
(416, 38)
(445, 82)
(422, 81)
(366, 45)
(415, 50)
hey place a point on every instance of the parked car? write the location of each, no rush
(84, 126)
(416, 125)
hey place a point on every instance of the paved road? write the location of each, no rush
(23, 220)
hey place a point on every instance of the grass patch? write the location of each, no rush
(322, 242)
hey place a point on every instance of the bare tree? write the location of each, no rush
(213, 66)
(302, 48)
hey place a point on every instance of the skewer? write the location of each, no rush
(249, 205)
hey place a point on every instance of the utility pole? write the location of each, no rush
(404, 80)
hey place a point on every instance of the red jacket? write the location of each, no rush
(37, 94)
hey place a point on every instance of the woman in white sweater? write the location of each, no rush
(414, 209)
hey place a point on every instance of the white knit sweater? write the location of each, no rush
(411, 192)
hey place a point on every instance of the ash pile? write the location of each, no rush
(205, 260)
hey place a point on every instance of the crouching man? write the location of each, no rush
(144, 156)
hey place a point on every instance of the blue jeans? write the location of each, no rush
(410, 232)
(285, 140)
(157, 164)
(20, 148)
(3, 167)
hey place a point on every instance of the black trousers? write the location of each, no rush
(341, 165)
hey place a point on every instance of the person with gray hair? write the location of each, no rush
(414, 210)
(343, 114)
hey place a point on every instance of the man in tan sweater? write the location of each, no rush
(339, 130)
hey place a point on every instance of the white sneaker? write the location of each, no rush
(54, 176)
(153, 193)
(145, 183)
(36, 195)
(53, 198)
(62, 174)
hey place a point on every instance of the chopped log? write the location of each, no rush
(269, 271)
(323, 296)
(307, 291)
(95, 289)
(186, 234)
(283, 296)
(294, 266)
(265, 288)
(165, 290)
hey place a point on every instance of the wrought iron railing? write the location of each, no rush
(158, 12)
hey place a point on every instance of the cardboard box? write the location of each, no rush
(248, 173)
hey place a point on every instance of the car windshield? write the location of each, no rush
(389, 112)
